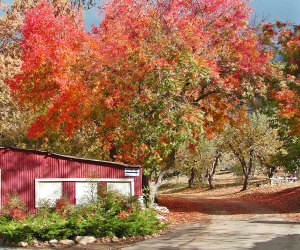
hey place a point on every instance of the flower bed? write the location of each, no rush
(112, 215)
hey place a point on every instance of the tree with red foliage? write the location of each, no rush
(150, 77)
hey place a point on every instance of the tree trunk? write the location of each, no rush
(192, 177)
(152, 193)
(213, 171)
(271, 171)
(245, 185)
(210, 181)
(153, 182)
(247, 169)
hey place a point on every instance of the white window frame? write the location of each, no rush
(130, 188)
(37, 190)
(131, 180)
(92, 193)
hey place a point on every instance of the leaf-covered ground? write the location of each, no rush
(197, 204)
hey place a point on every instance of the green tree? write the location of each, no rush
(252, 142)
(201, 159)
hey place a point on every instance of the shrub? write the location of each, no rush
(111, 215)
(14, 208)
(63, 206)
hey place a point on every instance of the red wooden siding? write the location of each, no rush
(69, 190)
(19, 169)
(18, 181)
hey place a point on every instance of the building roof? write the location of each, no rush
(69, 157)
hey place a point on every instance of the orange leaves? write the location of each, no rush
(289, 102)
(146, 74)
(51, 45)
(67, 112)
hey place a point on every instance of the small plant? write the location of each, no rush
(14, 208)
(63, 206)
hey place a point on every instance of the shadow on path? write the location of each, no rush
(286, 242)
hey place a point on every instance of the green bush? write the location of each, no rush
(111, 215)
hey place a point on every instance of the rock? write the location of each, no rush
(161, 218)
(106, 240)
(67, 242)
(141, 202)
(23, 244)
(139, 237)
(46, 244)
(160, 209)
(36, 243)
(83, 240)
(124, 238)
(53, 241)
(115, 239)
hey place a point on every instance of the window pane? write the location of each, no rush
(49, 192)
(123, 188)
(86, 192)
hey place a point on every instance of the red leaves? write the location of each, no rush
(123, 215)
(140, 56)
(198, 204)
(17, 214)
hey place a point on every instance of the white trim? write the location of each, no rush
(86, 179)
(131, 180)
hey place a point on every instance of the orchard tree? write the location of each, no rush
(201, 159)
(150, 77)
(252, 141)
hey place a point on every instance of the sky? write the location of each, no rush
(271, 9)
(277, 9)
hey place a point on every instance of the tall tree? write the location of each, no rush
(150, 77)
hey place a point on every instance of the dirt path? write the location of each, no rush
(229, 201)
(212, 206)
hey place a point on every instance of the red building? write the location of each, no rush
(39, 176)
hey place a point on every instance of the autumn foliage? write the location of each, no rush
(284, 38)
(149, 76)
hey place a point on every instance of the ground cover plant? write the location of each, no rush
(111, 215)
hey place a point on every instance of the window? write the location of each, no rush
(86, 192)
(123, 188)
(48, 192)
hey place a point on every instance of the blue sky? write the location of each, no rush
(271, 9)
(278, 9)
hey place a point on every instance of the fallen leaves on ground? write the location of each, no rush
(196, 204)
